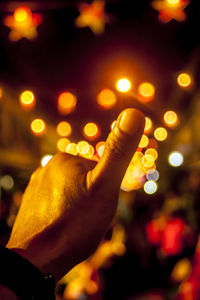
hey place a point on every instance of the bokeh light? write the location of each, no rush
(148, 125)
(64, 129)
(38, 127)
(173, 2)
(146, 91)
(106, 99)
(170, 118)
(150, 187)
(148, 161)
(72, 149)
(152, 175)
(21, 14)
(184, 80)
(160, 134)
(45, 159)
(144, 141)
(66, 103)
(7, 182)
(123, 85)
(83, 147)
(62, 144)
(90, 152)
(1, 93)
(175, 159)
(27, 99)
(100, 148)
(181, 270)
(152, 152)
(91, 131)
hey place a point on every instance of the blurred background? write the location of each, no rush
(67, 68)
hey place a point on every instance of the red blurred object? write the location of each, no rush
(171, 240)
(153, 232)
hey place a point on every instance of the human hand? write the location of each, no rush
(68, 204)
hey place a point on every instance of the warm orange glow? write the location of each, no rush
(148, 161)
(123, 85)
(64, 129)
(173, 2)
(27, 99)
(21, 14)
(160, 134)
(72, 149)
(143, 142)
(152, 143)
(170, 118)
(90, 152)
(148, 125)
(66, 103)
(1, 93)
(146, 90)
(38, 126)
(152, 152)
(134, 177)
(100, 148)
(182, 270)
(91, 131)
(184, 80)
(62, 144)
(106, 99)
(83, 147)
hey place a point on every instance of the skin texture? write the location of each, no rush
(69, 204)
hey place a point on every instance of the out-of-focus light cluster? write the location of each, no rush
(64, 129)
(148, 125)
(106, 99)
(150, 187)
(175, 159)
(123, 85)
(170, 119)
(91, 131)
(6, 182)
(38, 127)
(184, 80)
(66, 103)
(27, 100)
(146, 91)
(160, 134)
(23, 23)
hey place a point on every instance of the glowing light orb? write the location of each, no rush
(144, 141)
(106, 99)
(72, 149)
(100, 148)
(91, 130)
(83, 147)
(147, 91)
(45, 159)
(66, 103)
(148, 161)
(7, 182)
(148, 125)
(64, 129)
(173, 2)
(184, 80)
(90, 152)
(160, 134)
(170, 118)
(38, 127)
(150, 187)
(152, 175)
(62, 144)
(21, 14)
(175, 159)
(123, 85)
(152, 152)
(27, 99)
(182, 270)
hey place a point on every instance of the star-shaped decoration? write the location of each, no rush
(92, 16)
(23, 23)
(171, 9)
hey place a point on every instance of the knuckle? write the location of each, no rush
(114, 147)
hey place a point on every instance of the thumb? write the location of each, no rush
(120, 146)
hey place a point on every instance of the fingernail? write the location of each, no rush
(131, 121)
